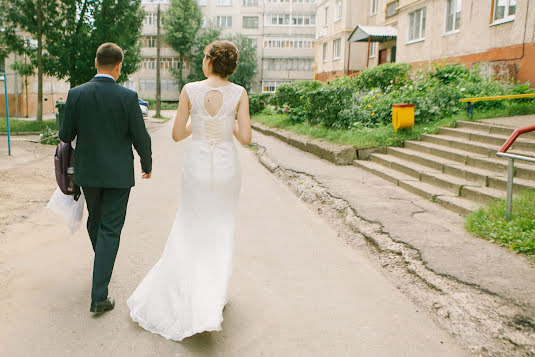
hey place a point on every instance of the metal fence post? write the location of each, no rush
(509, 204)
(7, 115)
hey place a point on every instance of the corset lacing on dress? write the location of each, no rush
(213, 135)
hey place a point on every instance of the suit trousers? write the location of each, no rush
(107, 212)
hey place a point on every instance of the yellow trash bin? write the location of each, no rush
(402, 116)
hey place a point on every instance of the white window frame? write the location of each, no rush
(456, 6)
(203, 22)
(227, 23)
(250, 17)
(422, 24)
(373, 7)
(507, 17)
(338, 10)
(373, 50)
(391, 3)
(250, 3)
(325, 51)
(326, 13)
(337, 49)
(202, 2)
(223, 3)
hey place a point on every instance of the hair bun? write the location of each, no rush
(223, 57)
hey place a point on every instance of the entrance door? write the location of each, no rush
(382, 56)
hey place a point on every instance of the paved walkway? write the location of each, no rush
(297, 289)
(436, 232)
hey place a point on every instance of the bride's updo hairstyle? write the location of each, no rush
(223, 56)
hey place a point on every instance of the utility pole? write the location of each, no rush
(158, 46)
(39, 60)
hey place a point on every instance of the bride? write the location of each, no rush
(186, 290)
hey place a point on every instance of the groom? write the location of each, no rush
(106, 120)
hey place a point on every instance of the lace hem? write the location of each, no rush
(170, 335)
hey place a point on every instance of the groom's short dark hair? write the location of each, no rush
(109, 55)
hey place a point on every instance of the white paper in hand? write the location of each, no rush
(68, 209)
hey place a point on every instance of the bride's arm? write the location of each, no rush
(242, 126)
(182, 128)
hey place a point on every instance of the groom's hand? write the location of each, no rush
(146, 176)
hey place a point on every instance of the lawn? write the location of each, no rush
(363, 137)
(518, 234)
(18, 126)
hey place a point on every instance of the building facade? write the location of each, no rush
(498, 35)
(283, 32)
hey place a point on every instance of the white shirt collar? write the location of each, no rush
(103, 75)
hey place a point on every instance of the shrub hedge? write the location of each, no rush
(366, 100)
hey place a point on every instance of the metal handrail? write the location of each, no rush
(511, 167)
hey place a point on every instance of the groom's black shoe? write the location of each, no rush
(99, 307)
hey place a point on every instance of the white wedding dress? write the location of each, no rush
(186, 290)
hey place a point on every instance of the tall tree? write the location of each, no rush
(34, 18)
(158, 77)
(182, 21)
(204, 38)
(247, 63)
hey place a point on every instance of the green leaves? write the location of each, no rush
(518, 234)
(247, 64)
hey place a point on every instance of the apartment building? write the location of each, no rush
(283, 32)
(498, 35)
(336, 20)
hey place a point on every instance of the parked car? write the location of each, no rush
(144, 106)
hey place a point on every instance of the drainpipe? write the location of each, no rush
(368, 53)
(348, 56)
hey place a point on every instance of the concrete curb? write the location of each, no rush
(337, 154)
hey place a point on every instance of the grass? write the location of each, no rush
(20, 126)
(518, 234)
(163, 105)
(363, 138)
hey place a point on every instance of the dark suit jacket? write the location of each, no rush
(106, 120)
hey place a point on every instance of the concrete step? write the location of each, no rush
(482, 194)
(470, 146)
(481, 173)
(491, 139)
(431, 192)
(492, 129)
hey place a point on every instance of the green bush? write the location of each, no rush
(290, 95)
(447, 73)
(384, 77)
(49, 136)
(324, 105)
(258, 102)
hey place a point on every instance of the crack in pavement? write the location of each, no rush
(483, 321)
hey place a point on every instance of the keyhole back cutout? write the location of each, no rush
(213, 101)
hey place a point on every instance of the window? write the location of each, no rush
(325, 52)
(224, 21)
(150, 18)
(147, 85)
(288, 64)
(303, 20)
(373, 49)
(130, 84)
(224, 3)
(201, 2)
(288, 43)
(250, 22)
(277, 1)
(326, 16)
(337, 48)
(169, 85)
(392, 9)
(250, 3)
(417, 25)
(271, 86)
(148, 41)
(277, 19)
(149, 63)
(504, 10)
(203, 22)
(373, 7)
(338, 10)
(453, 15)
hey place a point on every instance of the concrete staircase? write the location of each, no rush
(458, 167)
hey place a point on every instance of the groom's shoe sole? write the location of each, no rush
(102, 306)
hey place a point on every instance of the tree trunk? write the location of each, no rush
(39, 60)
(180, 65)
(158, 79)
